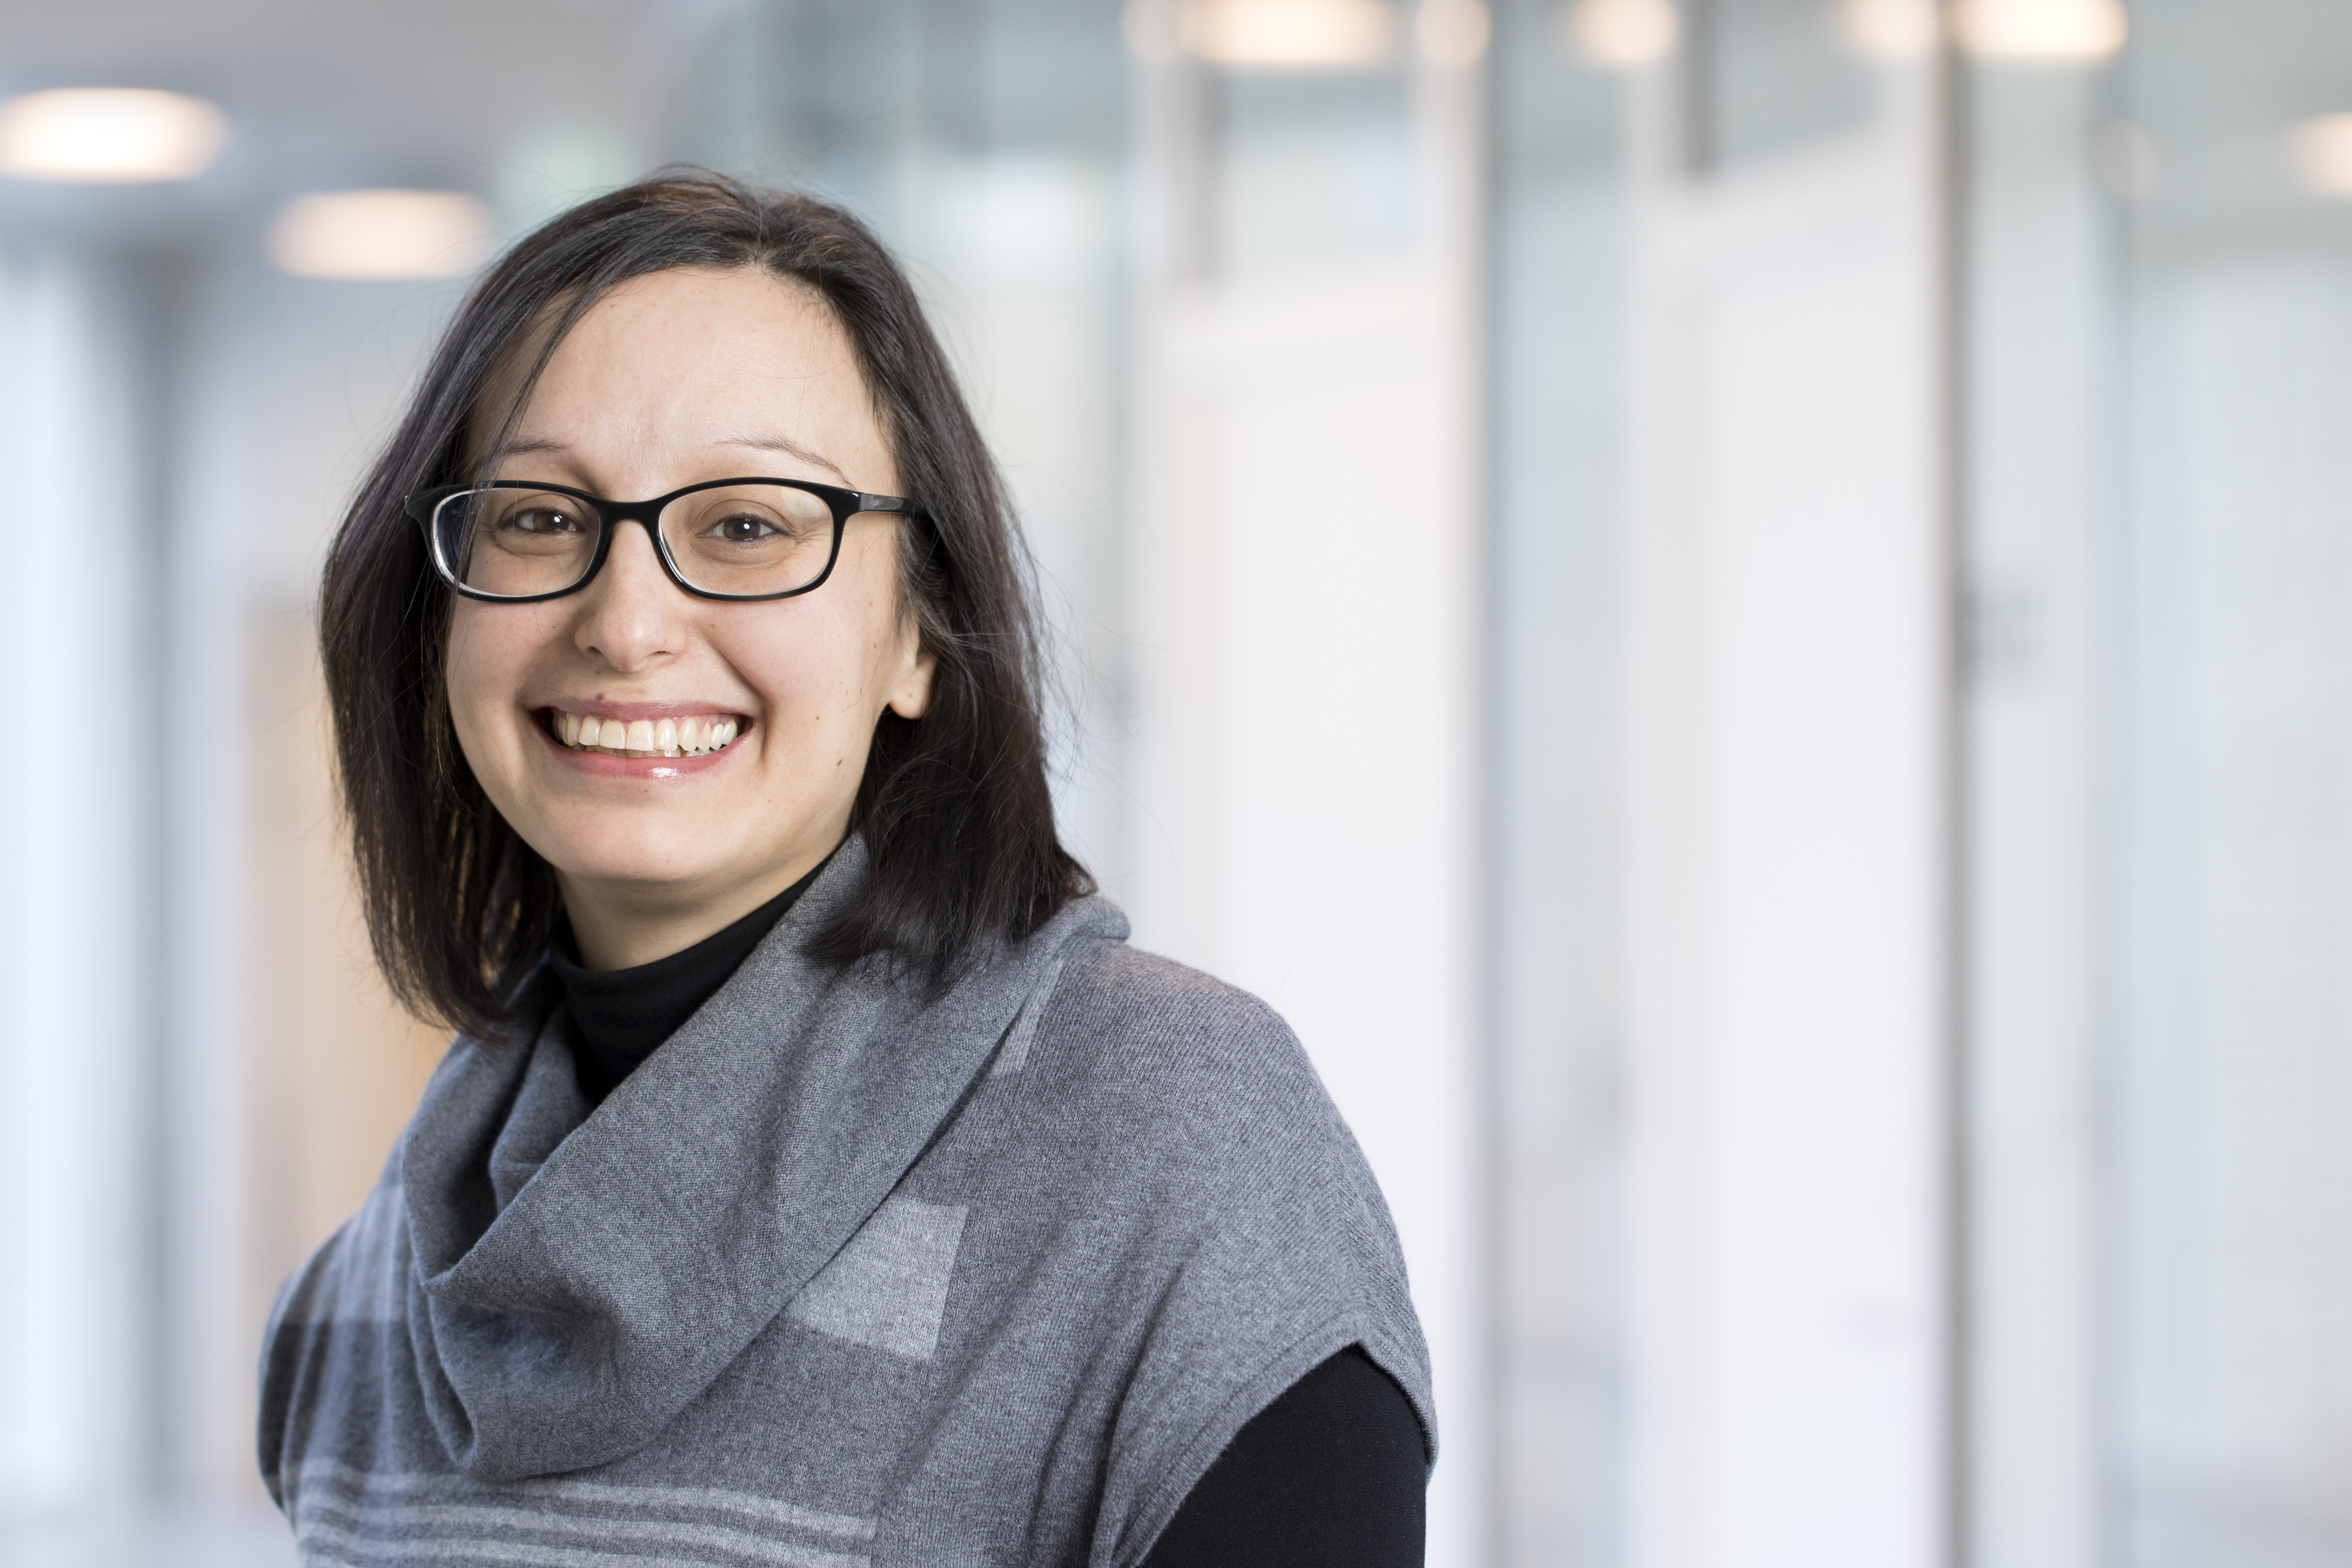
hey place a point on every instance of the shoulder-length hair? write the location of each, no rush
(954, 808)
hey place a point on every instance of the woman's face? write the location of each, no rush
(670, 380)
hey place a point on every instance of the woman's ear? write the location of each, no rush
(911, 697)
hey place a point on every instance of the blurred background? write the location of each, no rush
(1742, 609)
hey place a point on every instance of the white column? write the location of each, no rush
(81, 545)
(1789, 816)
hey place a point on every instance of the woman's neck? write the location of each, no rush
(622, 924)
(621, 1016)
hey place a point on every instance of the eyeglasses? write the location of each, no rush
(518, 540)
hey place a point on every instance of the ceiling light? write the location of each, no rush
(1622, 34)
(1452, 32)
(381, 234)
(2040, 32)
(1290, 35)
(2324, 147)
(115, 135)
(1888, 29)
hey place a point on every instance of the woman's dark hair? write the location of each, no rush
(954, 808)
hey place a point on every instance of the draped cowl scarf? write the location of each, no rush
(847, 1273)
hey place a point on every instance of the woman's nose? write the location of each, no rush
(632, 614)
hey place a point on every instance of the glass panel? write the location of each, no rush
(2160, 833)
(1310, 170)
(2232, 1350)
(1771, 75)
(1556, 338)
(2040, 249)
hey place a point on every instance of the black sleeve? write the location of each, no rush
(1332, 1473)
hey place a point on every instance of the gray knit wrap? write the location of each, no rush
(844, 1274)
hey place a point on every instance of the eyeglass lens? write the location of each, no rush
(746, 539)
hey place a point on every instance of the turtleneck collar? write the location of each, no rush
(619, 1017)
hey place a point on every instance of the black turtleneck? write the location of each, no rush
(1329, 1474)
(620, 1016)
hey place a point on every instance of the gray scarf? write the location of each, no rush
(842, 1275)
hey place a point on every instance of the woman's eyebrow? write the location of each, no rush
(530, 448)
(790, 448)
(537, 444)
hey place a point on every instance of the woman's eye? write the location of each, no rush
(743, 528)
(543, 520)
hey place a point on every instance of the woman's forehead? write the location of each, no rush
(690, 355)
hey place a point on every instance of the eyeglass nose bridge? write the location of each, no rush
(647, 512)
(610, 516)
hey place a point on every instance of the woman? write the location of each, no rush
(816, 1176)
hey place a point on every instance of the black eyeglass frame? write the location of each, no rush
(424, 505)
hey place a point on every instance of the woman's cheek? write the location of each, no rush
(791, 672)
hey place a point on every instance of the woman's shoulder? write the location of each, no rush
(1143, 996)
(1136, 1019)
(1196, 1188)
(1166, 1070)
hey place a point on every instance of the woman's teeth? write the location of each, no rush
(643, 737)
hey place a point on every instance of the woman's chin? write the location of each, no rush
(628, 858)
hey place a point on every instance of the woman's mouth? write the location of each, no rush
(690, 736)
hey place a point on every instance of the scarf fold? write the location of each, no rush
(583, 1273)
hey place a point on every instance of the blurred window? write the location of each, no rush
(1555, 621)
(1769, 75)
(2161, 795)
(1310, 170)
(2230, 798)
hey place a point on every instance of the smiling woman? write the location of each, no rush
(816, 1176)
(687, 330)
(653, 850)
